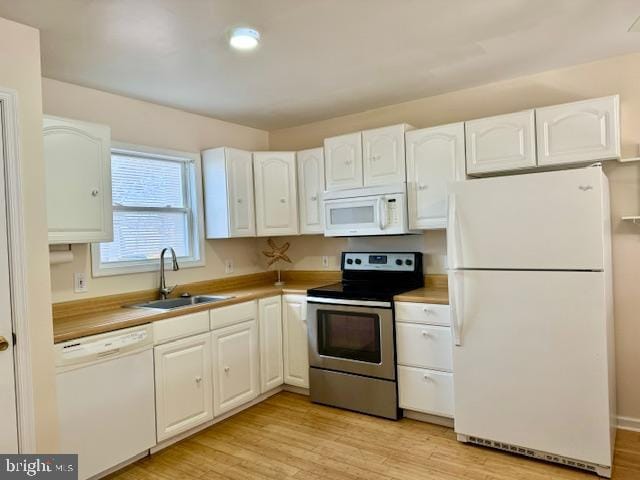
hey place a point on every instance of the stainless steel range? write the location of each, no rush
(352, 354)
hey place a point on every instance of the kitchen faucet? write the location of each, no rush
(164, 290)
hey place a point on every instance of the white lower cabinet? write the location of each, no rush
(294, 329)
(183, 385)
(235, 366)
(424, 353)
(427, 391)
(270, 332)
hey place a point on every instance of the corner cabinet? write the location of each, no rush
(383, 155)
(577, 132)
(294, 329)
(276, 193)
(310, 188)
(77, 159)
(183, 385)
(343, 161)
(435, 157)
(501, 143)
(228, 193)
(270, 333)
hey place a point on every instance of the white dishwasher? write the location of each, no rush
(106, 402)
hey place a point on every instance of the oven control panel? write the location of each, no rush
(392, 262)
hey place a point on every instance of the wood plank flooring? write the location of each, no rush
(287, 437)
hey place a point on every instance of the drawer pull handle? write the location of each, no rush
(198, 379)
(427, 310)
(426, 376)
(425, 333)
(226, 369)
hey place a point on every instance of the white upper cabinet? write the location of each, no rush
(383, 155)
(311, 186)
(228, 193)
(78, 181)
(576, 132)
(435, 157)
(504, 142)
(343, 161)
(270, 332)
(276, 193)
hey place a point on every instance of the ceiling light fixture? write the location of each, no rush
(244, 38)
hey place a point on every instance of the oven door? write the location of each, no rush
(352, 338)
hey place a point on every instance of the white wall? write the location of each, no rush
(143, 123)
(614, 75)
(20, 71)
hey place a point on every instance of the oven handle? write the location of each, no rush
(354, 303)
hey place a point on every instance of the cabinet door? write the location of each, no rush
(296, 356)
(183, 385)
(78, 181)
(311, 186)
(383, 155)
(235, 366)
(270, 331)
(276, 193)
(435, 157)
(242, 218)
(343, 161)
(577, 132)
(501, 143)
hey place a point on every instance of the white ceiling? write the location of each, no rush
(318, 58)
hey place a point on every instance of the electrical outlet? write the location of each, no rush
(325, 261)
(80, 282)
(228, 266)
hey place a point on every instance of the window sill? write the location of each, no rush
(98, 270)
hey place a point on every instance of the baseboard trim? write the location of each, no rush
(295, 389)
(629, 423)
(425, 417)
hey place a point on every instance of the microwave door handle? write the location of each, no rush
(382, 213)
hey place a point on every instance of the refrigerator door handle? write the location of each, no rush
(456, 287)
(452, 232)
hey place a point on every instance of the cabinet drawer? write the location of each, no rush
(225, 316)
(422, 313)
(179, 327)
(425, 346)
(426, 391)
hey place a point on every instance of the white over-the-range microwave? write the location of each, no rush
(380, 210)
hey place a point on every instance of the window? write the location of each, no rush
(155, 205)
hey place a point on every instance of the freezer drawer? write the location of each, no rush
(541, 221)
(531, 365)
(424, 346)
(426, 391)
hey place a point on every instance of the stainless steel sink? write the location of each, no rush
(171, 303)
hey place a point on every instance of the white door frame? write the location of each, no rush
(17, 274)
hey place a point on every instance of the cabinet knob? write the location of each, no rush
(314, 198)
(226, 369)
(425, 333)
(283, 200)
(426, 376)
(427, 310)
(94, 193)
(198, 379)
(4, 344)
(239, 200)
(422, 187)
(375, 157)
(347, 162)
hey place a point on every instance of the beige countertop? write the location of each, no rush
(82, 325)
(77, 319)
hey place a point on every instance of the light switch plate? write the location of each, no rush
(228, 266)
(80, 282)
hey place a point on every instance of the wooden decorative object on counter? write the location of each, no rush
(275, 256)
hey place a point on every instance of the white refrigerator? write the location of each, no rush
(530, 285)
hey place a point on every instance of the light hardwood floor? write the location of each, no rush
(289, 437)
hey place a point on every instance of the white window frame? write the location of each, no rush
(196, 219)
